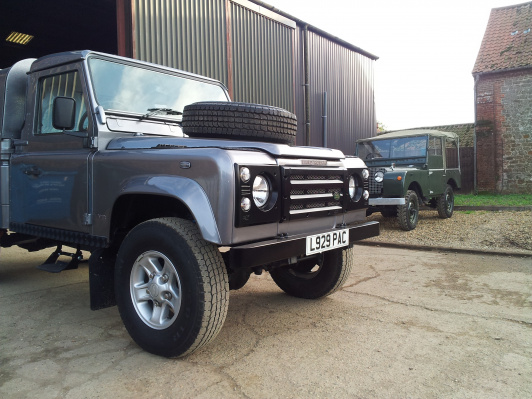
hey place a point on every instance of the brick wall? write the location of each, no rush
(504, 132)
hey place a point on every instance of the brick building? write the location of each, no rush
(503, 101)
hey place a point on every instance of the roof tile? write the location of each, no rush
(507, 42)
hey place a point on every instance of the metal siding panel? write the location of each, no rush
(262, 55)
(347, 77)
(183, 34)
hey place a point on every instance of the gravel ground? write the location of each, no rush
(509, 231)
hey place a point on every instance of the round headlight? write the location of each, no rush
(379, 176)
(245, 204)
(352, 187)
(365, 174)
(244, 174)
(261, 191)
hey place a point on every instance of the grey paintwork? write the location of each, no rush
(73, 184)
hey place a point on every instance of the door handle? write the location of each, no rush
(32, 171)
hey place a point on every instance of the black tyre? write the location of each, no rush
(316, 277)
(171, 287)
(243, 121)
(446, 203)
(389, 212)
(408, 214)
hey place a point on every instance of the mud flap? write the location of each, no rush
(102, 278)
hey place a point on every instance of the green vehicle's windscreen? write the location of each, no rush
(408, 147)
(133, 89)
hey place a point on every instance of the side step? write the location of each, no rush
(52, 265)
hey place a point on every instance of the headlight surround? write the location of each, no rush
(379, 176)
(261, 191)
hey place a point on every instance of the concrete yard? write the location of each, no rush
(408, 324)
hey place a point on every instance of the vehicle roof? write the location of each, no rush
(412, 133)
(57, 59)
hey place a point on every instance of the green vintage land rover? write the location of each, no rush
(409, 168)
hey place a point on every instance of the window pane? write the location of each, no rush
(64, 85)
(133, 89)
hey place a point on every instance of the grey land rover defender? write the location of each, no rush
(178, 193)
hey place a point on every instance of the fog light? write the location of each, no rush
(365, 174)
(366, 194)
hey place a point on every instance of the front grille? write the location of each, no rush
(374, 187)
(312, 191)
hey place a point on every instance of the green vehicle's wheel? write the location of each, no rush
(446, 203)
(408, 214)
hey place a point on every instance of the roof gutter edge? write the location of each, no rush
(314, 29)
(518, 69)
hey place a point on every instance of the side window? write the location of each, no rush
(435, 146)
(65, 85)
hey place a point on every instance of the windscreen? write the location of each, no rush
(134, 89)
(407, 147)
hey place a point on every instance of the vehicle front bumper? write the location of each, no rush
(278, 249)
(386, 201)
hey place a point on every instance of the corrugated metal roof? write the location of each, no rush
(507, 42)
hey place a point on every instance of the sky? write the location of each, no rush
(427, 50)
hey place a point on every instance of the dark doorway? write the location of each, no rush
(56, 26)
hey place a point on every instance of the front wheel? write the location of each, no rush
(445, 203)
(408, 214)
(171, 287)
(315, 277)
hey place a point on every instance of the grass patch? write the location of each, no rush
(493, 200)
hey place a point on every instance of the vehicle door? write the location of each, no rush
(436, 167)
(50, 184)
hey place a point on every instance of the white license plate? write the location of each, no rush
(327, 241)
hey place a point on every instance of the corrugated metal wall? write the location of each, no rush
(183, 34)
(347, 77)
(264, 57)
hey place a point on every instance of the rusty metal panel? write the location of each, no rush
(262, 55)
(347, 77)
(184, 34)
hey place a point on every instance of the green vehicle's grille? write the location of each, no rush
(374, 187)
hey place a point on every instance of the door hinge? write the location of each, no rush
(93, 142)
(87, 219)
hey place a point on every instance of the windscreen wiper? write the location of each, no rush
(156, 111)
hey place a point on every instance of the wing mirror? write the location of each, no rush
(64, 113)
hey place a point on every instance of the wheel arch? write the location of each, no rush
(143, 199)
(453, 184)
(415, 186)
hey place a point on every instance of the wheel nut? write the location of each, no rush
(165, 278)
(168, 296)
(157, 304)
(151, 276)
